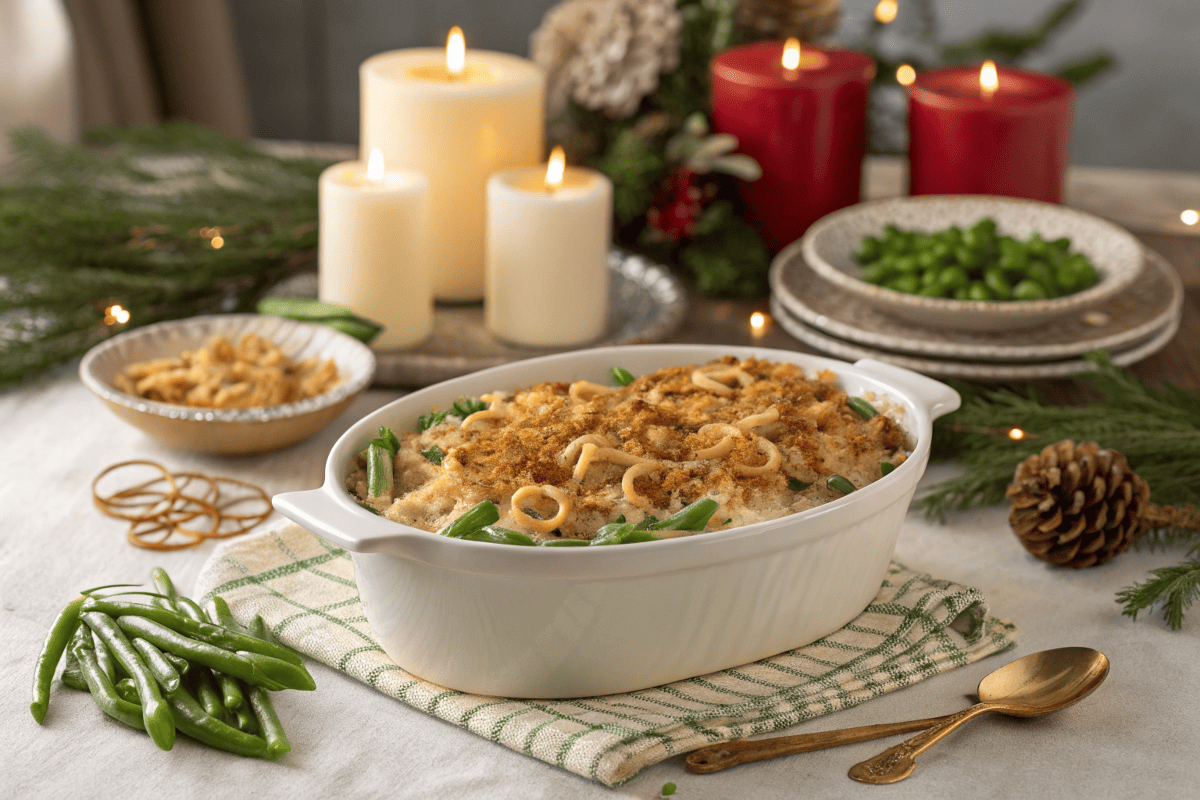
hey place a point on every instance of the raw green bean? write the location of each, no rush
(72, 674)
(181, 665)
(155, 713)
(187, 606)
(128, 692)
(886, 467)
(198, 629)
(475, 518)
(205, 687)
(163, 671)
(690, 518)
(61, 633)
(209, 655)
(268, 720)
(243, 720)
(103, 691)
(839, 484)
(862, 407)
(497, 535)
(196, 723)
(163, 584)
(622, 376)
(103, 657)
(232, 696)
(380, 464)
(281, 672)
(219, 614)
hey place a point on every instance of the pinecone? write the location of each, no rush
(606, 54)
(1078, 505)
(807, 20)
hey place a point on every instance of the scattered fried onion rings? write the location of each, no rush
(173, 511)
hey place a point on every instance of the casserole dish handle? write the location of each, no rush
(939, 398)
(340, 523)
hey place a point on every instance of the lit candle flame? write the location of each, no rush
(1190, 216)
(1016, 434)
(905, 75)
(886, 10)
(555, 169)
(375, 167)
(758, 324)
(989, 81)
(456, 51)
(791, 53)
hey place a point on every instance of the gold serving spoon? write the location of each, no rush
(993, 688)
(1037, 684)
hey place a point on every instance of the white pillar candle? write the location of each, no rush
(373, 248)
(547, 255)
(458, 126)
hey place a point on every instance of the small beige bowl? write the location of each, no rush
(828, 247)
(239, 431)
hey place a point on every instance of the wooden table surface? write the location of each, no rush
(1146, 202)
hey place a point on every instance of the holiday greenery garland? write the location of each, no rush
(139, 225)
(1156, 428)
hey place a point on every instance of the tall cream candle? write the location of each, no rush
(373, 254)
(548, 237)
(458, 123)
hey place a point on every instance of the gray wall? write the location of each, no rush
(302, 56)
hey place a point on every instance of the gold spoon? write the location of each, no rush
(1037, 684)
(717, 757)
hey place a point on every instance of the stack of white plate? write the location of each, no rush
(1133, 311)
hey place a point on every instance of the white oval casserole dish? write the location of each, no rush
(572, 622)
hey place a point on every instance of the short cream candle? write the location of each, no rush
(547, 254)
(458, 116)
(373, 252)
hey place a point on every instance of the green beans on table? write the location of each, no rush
(155, 713)
(974, 263)
(255, 668)
(61, 633)
(163, 671)
(103, 691)
(199, 629)
(268, 720)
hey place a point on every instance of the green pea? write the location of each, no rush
(906, 264)
(986, 226)
(870, 249)
(933, 290)
(909, 284)
(876, 273)
(967, 257)
(1062, 244)
(1013, 261)
(1036, 245)
(953, 278)
(1029, 290)
(994, 278)
(1042, 273)
(928, 260)
(961, 294)
(978, 290)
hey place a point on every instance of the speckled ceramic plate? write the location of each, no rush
(1124, 320)
(828, 247)
(646, 305)
(981, 371)
(234, 430)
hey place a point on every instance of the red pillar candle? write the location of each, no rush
(806, 126)
(968, 135)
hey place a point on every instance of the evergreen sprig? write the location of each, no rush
(1156, 428)
(166, 221)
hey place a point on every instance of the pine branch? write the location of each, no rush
(1174, 588)
(166, 221)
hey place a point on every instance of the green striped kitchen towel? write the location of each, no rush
(916, 627)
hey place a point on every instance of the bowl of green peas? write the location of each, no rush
(979, 263)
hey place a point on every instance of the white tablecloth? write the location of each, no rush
(1137, 736)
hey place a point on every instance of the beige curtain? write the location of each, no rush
(141, 62)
